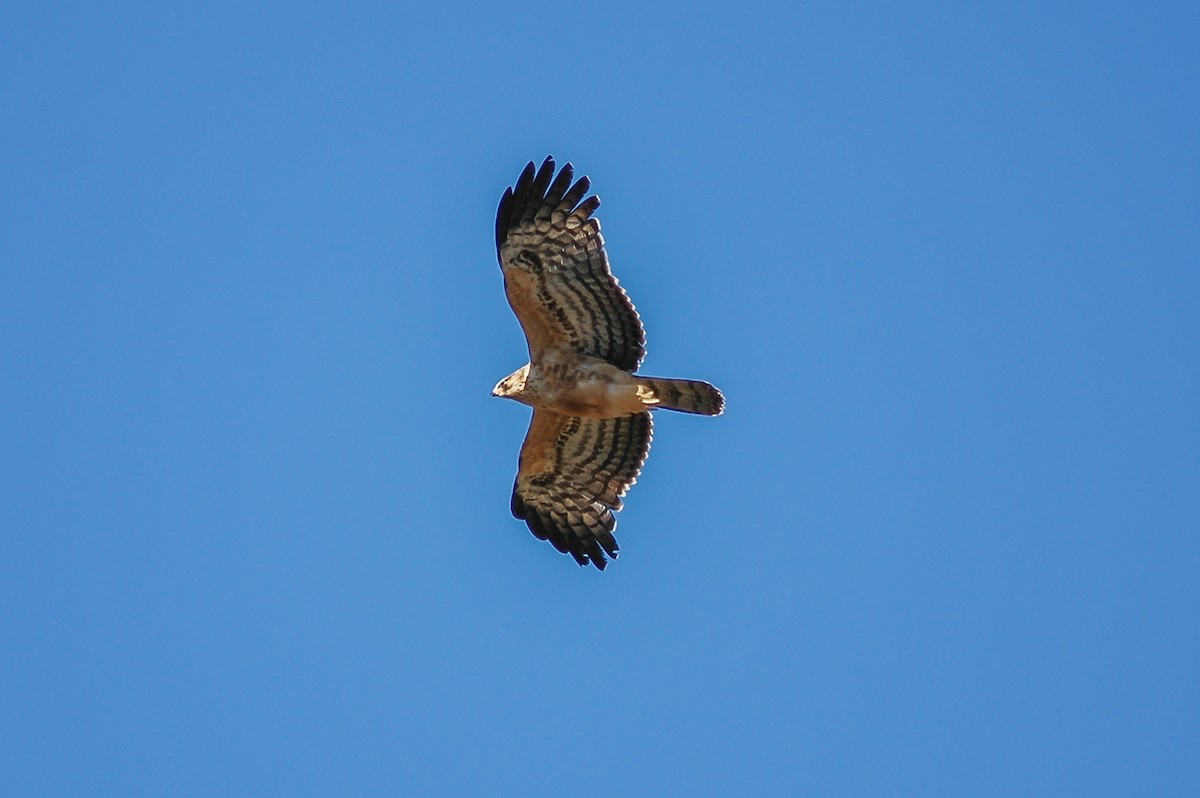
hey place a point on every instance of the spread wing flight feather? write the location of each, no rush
(556, 272)
(572, 475)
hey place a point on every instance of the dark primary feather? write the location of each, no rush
(545, 228)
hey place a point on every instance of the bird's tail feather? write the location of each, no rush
(686, 396)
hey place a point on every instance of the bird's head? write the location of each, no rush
(511, 386)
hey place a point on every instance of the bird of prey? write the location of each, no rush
(591, 424)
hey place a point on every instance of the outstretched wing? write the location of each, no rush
(556, 271)
(572, 476)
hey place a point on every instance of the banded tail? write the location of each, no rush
(686, 396)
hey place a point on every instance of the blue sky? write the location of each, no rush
(943, 261)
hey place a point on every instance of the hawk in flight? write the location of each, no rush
(591, 424)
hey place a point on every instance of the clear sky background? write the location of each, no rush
(943, 260)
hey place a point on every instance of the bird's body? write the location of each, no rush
(568, 382)
(591, 426)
